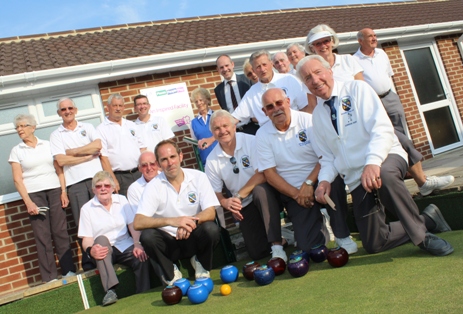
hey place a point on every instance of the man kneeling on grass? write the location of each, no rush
(104, 227)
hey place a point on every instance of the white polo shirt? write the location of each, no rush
(161, 200)
(135, 191)
(62, 139)
(219, 169)
(345, 67)
(95, 221)
(37, 166)
(293, 152)
(154, 131)
(377, 70)
(120, 143)
(251, 104)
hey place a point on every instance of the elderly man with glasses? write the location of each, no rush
(76, 148)
(234, 163)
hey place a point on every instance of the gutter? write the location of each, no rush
(117, 69)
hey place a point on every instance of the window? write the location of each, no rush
(44, 109)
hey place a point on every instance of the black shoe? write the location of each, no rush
(433, 212)
(110, 297)
(435, 245)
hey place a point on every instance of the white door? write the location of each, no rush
(433, 97)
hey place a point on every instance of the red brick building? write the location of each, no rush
(423, 39)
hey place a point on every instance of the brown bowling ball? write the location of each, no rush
(171, 295)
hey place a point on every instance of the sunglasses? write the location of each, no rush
(320, 43)
(235, 167)
(148, 164)
(22, 126)
(68, 108)
(100, 186)
(278, 103)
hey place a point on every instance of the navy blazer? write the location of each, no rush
(243, 85)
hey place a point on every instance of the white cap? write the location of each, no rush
(319, 35)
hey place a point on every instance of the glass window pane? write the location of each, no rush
(441, 127)
(83, 102)
(8, 115)
(424, 74)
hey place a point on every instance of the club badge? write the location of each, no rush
(245, 162)
(192, 197)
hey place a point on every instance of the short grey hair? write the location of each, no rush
(221, 113)
(297, 45)
(114, 96)
(101, 176)
(63, 99)
(317, 29)
(203, 92)
(304, 60)
(276, 54)
(259, 54)
(25, 117)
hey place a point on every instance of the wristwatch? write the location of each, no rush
(308, 182)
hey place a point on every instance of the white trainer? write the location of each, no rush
(199, 269)
(177, 275)
(277, 251)
(435, 183)
(69, 274)
(348, 244)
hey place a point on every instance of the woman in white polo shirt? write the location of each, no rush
(321, 40)
(40, 182)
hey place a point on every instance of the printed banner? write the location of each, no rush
(172, 102)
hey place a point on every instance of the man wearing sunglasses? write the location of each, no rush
(76, 148)
(357, 141)
(233, 163)
(289, 159)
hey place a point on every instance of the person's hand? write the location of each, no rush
(324, 187)
(32, 209)
(186, 222)
(99, 252)
(139, 252)
(305, 196)
(371, 179)
(233, 204)
(182, 234)
(204, 143)
(64, 199)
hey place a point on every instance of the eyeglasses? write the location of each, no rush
(100, 186)
(320, 43)
(278, 103)
(235, 167)
(66, 108)
(22, 126)
(148, 164)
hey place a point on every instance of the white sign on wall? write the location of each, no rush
(171, 102)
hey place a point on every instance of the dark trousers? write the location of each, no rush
(108, 275)
(376, 235)
(338, 217)
(80, 193)
(125, 180)
(164, 249)
(395, 111)
(261, 221)
(308, 226)
(51, 226)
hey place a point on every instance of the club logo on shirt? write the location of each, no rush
(346, 104)
(132, 132)
(83, 133)
(192, 197)
(245, 162)
(302, 136)
(155, 126)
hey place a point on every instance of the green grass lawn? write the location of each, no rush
(403, 280)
